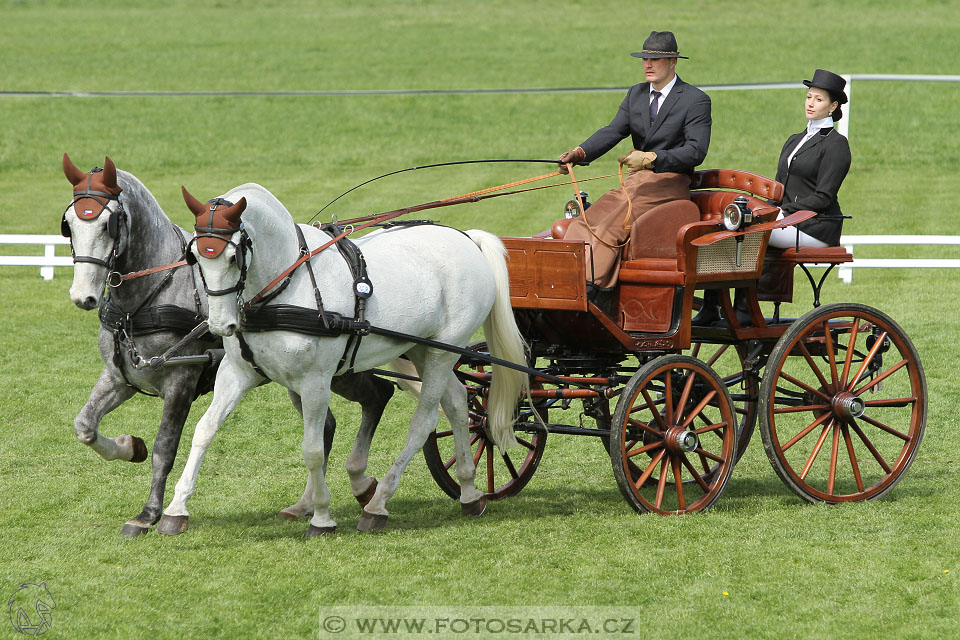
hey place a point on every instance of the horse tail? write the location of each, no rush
(505, 342)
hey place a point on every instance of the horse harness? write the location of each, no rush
(115, 222)
(261, 316)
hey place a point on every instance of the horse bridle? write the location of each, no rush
(115, 222)
(218, 233)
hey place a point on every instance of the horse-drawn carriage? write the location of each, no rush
(839, 393)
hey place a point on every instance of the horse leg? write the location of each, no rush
(473, 502)
(304, 506)
(179, 386)
(373, 394)
(233, 382)
(436, 370)
(107, 395)
(314, 408)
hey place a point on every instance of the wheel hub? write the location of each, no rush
(680, 440)
(848, 406)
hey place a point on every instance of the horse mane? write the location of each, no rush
(264, 210)
(138, 200)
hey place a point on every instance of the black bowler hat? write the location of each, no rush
(659, 44)
(823, 79)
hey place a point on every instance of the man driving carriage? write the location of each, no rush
(669, 122)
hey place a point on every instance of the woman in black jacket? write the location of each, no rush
(812, 166)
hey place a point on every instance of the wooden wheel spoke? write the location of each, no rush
(678, 481)
(802, 408)
(668, 396)
(644, 449)
(716, 428)
(813, 365)
(703, 453)
(662, 483)
(445, 433)
(479, 452)
(696, 474)
(834, 452)
(806, 430)
(716, 356)
(699, 408)
(831, 353)
(866, 361)
(880, 378)
(525, 443)
(804, 386)
(510, 467)
(649, 470)
(685, 396)
(654, 410)
(491, 486)
(851, 343)
(883, 427)
(816, 450)
(643, 426)
(872, 449)
(449, 462)
(896, 403)
(853, 458)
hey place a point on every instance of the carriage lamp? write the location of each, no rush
(737, 214)
(572, 208)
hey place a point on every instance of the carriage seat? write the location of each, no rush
(776, 280)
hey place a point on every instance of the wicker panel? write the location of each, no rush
(721, 257)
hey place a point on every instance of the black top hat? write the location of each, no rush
(659, 44)
(823, 79)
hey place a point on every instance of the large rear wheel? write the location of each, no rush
(843, 404)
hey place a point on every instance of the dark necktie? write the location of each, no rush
(653, 106)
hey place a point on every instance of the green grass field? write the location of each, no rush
(761, 564)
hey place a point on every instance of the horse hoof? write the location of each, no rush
(173, 525)
(371, 522)
(475, 508)
(139, 450)
(288, 515)
(131, 530)
(365, 497)
(313, 532)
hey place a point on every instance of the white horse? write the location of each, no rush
(428, 281)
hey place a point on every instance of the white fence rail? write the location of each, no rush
(49, 259)
(845, 271)
(46, 262)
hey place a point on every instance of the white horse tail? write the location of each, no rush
(505, 342)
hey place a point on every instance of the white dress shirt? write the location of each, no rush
(813, 128)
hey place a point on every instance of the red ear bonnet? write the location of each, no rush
(217, 221)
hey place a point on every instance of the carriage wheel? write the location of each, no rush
(729, 361)
(499, 475)
(843, 404)
(675, 420)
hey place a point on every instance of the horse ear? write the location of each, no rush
(233, 213)
(74, 175)
(109, 173)
(193, 204)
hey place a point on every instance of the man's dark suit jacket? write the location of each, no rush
(679, 136)
(813, 180)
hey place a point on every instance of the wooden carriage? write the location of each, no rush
(839, 393)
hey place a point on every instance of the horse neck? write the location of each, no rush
(275, 244)
(150, 238)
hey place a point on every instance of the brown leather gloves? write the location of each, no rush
(574, 155)
(638, 160)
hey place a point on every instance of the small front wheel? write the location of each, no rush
(674, 424)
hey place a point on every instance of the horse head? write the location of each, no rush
(220, 249)
(93, 221)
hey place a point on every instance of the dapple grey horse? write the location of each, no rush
(117, 227)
